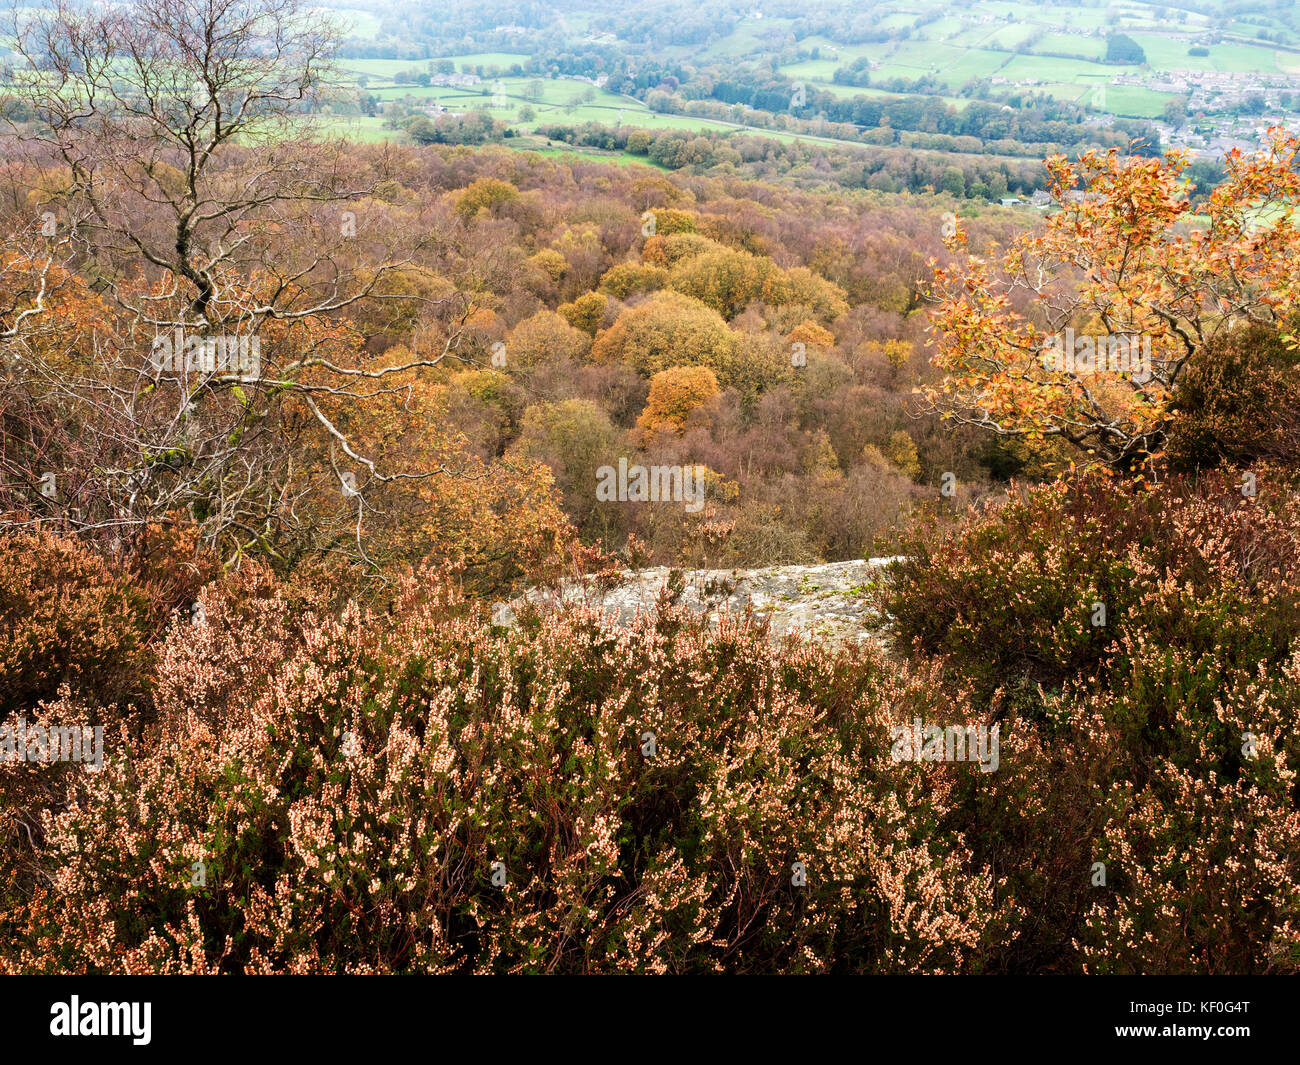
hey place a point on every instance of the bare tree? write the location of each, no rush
(221, 238)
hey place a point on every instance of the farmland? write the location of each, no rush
(1018, 54)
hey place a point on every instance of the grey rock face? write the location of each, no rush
(827, 601)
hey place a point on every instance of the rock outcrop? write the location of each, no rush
(827, 601)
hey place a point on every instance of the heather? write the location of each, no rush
(309, 788)
(1159, 743)
(318, 792)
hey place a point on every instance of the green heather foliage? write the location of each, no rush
(1238, 402)
(1161, 744)
(346, 779)
(65, 619)
(348, 782)
(1011, 599)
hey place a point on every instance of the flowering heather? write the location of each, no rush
(1163, 744)
(333, 793)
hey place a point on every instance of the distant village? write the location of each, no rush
(1223, 109)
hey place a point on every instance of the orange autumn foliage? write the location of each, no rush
(1128, 255)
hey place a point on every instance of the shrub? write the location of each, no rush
(351, 812)
(626, 278)
(483, 194)
(810, 333)
(573, 437)
(587, 312)
(1237, 403)
(674, 394)
(543, 339)
(1161, 744)
(1012, 598)
(66, 619)
(669, 220)
(668, 250)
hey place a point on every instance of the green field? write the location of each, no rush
(1134, 101)
(386, 68)
(364, 130)
(1065, 44)
(586, 155)
(1050, 48)
(1054, 49)
(360, 23)
(1164, 53)
(847, 91)
(750, 35)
